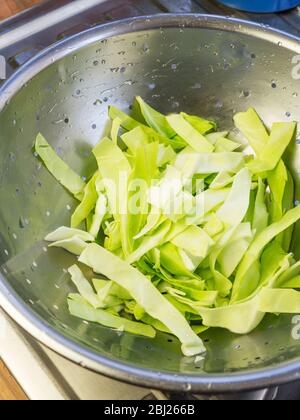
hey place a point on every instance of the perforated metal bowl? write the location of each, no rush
(205, 65)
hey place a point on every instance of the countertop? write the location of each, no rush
(11, 7)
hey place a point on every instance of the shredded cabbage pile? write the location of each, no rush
(183, 229)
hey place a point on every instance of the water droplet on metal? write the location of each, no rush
(246, 93)
(146, 48)
(23, 222)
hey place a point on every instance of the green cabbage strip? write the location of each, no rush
(129, 124)
(83, 286)
(171, 260)
(100, 212)
(113, 240)
(280, 301)
(74, 245)
(236, 205)
(290, 274)
(243, 317)
(156, 120)
(194, 299)
(114, 289)
(81, 309)
(109, 157)
(281, 136)
(200, 124)
(154, 219)
(288, 204)
(282, 191)
(63, 233)
(58, 168)
(195, 241)
(213, 138)
(87, 204)
(150, 242)
(115, 128)
(293, 283)
(232, 255)
(222, 180)
(239, 319)
(221, 283)
(253, 129)
(166, 155)
(260, 214)
(205, 202)
(273, 261)
(277, 180)
(186, 131)
(240, 287)
(144, 293)
(226, 145)
(136, 138)
(209, 163)
(145, 169)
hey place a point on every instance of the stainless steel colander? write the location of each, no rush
(209, 66)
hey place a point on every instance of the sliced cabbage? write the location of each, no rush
(195, 241)
(190, 230)
(209, 163)
(192, 137)
(269, 157)
(260, 213)
(156, 120)
(172, 260)
(144, 293)
(150, 242)
(63, 233)
(100, 212)
(74, 245)
(84, 287)
(241, 286)
(87, 204)
(82, 309)
(58, 168)
(280, 301)
(250, 124)
(236, 204)
(225, 145)
(200, 124)
(115, 128)
(222, 180)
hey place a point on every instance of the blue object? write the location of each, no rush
(261, 6)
